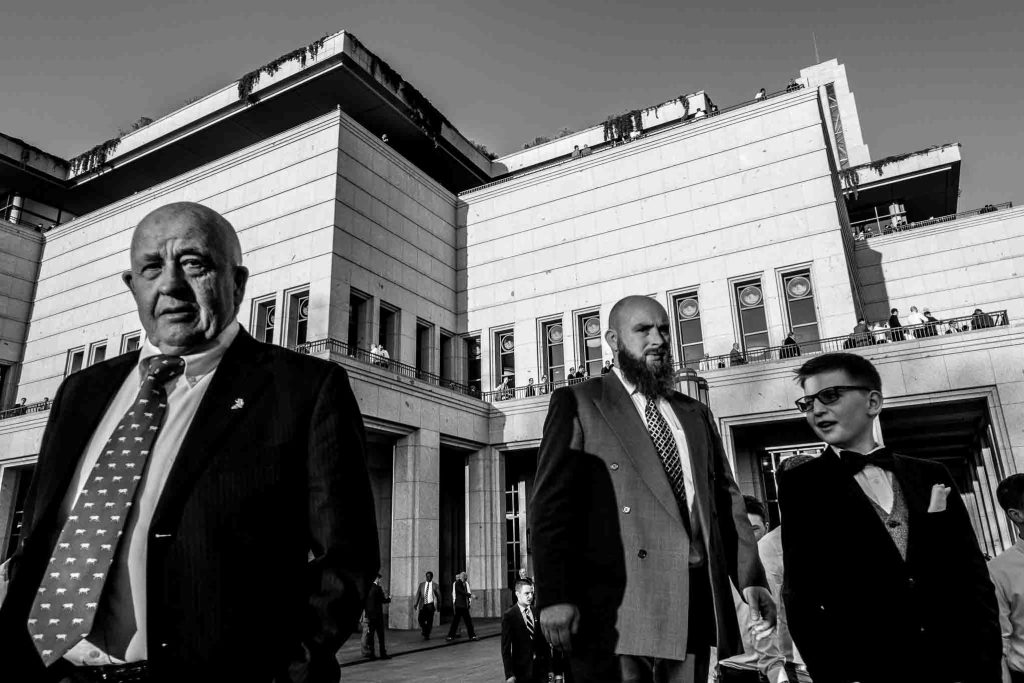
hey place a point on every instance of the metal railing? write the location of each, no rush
(397, 367)
(609, 144)
(874, 228)
(27, 218)
(527, 390)
(883, 335)
(19, 410)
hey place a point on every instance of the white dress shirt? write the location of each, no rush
(183, 396)
(428, 593)
(640, 402)
(875, 482)
(1007, 572)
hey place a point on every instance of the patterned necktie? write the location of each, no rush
(529, 621)
(66, 605)
(665, 444)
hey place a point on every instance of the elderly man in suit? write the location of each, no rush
(201, 507)
(638, 525)
(428, 597)
(524, 652)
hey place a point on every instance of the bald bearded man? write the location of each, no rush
(637, 524)
(201, 508)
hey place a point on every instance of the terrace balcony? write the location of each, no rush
(897, 222)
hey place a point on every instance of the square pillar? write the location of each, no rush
(414, 521)
(485, 517)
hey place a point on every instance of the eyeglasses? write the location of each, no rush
(827, 396)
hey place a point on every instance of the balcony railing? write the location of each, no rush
(886, 225)
(885, 335)
(371, 358)
(29, 219)
(17, 411)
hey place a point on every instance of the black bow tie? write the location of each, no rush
(854, 462)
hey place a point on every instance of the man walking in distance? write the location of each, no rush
(524, 652)
(375, 601)
(1007, 571)
(174, 480)
(461, 598)
(638, 525)
(427, 599)
(884, 578)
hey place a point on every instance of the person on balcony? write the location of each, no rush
(979, 320)
(761, 94)
(931, 327)
(790, 347)
(502, 392)
(736, 356)
(576, 152)
(543, 384)
(895, 333)
(530, 389)
(914, 320)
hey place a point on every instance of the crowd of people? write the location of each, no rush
(917, 325)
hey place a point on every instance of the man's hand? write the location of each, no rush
(762, 610)
(510, 679)
(560, 622)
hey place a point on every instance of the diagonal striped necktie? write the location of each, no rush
(665, 444)
(65, 606)
(529, 621)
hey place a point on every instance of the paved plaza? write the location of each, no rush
(462, 660)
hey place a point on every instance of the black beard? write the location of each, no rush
(649, 382)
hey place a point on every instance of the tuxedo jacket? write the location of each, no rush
(857, 611)
(607, 532)
(375, 601)
(421, 597)
(523, 656)
(263, 539)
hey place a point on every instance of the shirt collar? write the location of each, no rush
(197, 365)
(523, 608)
(838, 450)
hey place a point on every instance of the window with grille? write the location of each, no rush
(264, 319)
(131, 342)
(689, 334)
(590, 342)
(76, 358)
(554, 350)
(298, 317)
(512, 532)
(803, 317)
(750, 313)
(505, 357)
(473, 362)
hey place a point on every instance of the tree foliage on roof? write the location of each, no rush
(248, 81)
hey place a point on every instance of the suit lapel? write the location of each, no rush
(620, 413)
(698, 447)
(88, 404)
(233, 392)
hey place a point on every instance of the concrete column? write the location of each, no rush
(414, 521)
(485, 517)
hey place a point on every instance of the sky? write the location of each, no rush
(506, 72)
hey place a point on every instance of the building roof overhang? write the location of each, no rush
(928, 179)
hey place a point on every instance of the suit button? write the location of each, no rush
(614, 466)
(625, 510)
(642, 554)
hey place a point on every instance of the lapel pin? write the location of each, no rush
(239, 404)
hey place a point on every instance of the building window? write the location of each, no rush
(751, 315)
(803, 318)
(131, 342)
(16, 480)
(447, 350)
(688, 330)
(554, 350)
(589, 335)
(387, 335)
(473, 363)
(298, 317)
(264, 319)
(358, 321)
(97, 353)
(76, 358)
(505, 357)
(424, 347)
(512, 535)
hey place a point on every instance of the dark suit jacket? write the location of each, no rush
(607, 533)
(420, 597)
(375, 601)
(461, 594)
(856, 609)
(524, 657)
(253, 491)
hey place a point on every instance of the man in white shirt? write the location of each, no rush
(1007, 571)
(427, 599)
(172, 481)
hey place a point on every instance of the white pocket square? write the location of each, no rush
(938, 501)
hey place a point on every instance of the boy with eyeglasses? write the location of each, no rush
(884, 577)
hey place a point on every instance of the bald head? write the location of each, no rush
(625, 309)
(186, 276)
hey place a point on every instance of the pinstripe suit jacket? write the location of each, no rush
(607, 534)
(252, 492)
